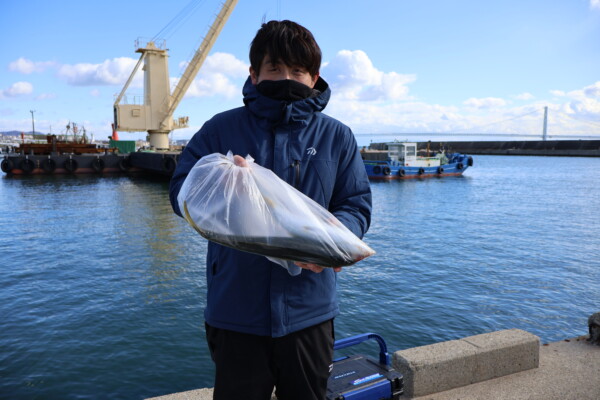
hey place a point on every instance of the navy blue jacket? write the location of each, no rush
(311, 151)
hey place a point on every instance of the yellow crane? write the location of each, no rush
(155, 115)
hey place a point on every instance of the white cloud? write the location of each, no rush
(592, 90)
(487, 102)
(17, 89)
(226, 64)
(213, 84)
(352, 76)
(585, 106)
(110, 72)
(45, 96)
(356, 82)
(595, 4)
(220, 75)
(25, 66)
(524, 96)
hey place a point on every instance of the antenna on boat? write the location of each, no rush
(32, 121)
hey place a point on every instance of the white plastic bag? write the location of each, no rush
(252, 209)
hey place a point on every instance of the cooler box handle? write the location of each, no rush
(384, 357)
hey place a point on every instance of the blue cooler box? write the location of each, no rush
(359, 377)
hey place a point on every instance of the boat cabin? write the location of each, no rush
(405, 153)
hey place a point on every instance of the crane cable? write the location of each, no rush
(172, 26)
(595, 124)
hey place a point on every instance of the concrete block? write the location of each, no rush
(436, 367)
(504, 353)
(442, 366)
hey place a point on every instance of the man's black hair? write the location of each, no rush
(286, 42)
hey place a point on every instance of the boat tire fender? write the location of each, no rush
(98, 164)
(169, 164)
(440, 170)
(49, 165)
(70, 165)
(377, 169)
(27, 165)
(470, 161)
(401, 172)
(387, 170)
(7, 165)
(124, 164)
(459, 165)
(421, 171)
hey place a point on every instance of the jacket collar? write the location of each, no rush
(277, 112)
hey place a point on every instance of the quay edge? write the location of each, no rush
(559, 148)
(513, 364)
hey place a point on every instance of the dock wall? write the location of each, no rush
(564, 148)
(508, 364)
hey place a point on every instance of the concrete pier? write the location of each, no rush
(560, 148)
(503, 365)
(568, 370)
(457, 363)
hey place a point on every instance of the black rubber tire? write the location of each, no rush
(49, 165)
(27, 165)
(98, 164)
(169, 164)
(7, 165)
(124, 164)
(70, 165)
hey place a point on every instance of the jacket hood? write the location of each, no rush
(277, 112)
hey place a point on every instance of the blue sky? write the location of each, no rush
(395, 66)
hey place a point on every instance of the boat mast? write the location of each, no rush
(32, 122)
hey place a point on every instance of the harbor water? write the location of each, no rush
(102, 287)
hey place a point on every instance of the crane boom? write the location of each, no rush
(194, 66)
(155, 115)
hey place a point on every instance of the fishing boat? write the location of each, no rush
(401, 160)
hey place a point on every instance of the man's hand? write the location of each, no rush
(240, 161)
(315, 268)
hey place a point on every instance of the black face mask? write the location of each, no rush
(286, 90)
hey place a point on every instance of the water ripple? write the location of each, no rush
(102, 288)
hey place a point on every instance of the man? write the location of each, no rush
(266, 328)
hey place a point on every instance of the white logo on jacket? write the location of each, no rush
(311, 151)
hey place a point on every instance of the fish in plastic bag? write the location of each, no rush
(252, 209)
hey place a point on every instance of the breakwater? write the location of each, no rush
(563, 148)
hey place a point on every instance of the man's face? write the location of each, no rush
(280, 71)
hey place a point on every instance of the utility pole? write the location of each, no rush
(32, 122)
(545, 132)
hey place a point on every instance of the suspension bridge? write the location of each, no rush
(536, 124)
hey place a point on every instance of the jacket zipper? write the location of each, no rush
(296, 166)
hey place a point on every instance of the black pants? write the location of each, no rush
(249, 366)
